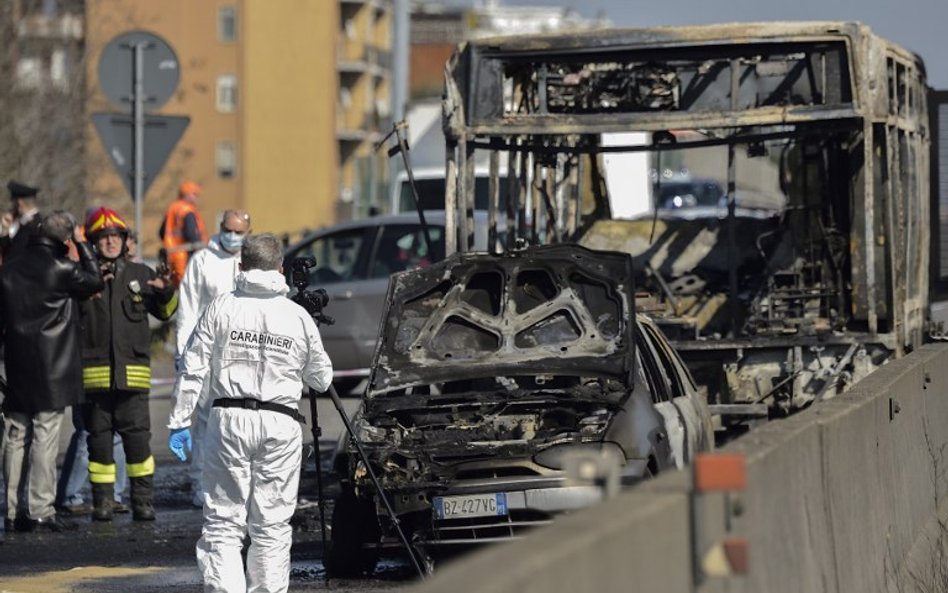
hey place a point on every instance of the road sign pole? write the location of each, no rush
(139, 134)
(138, 72)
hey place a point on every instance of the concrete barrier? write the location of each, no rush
(843, 497)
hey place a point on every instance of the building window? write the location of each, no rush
(226, 157)
(227, 24)
(57, 69)
(226, 93)
(29, 73)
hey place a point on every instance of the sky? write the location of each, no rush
(918, 25)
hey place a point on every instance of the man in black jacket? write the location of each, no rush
(116, 365)
(39, 319)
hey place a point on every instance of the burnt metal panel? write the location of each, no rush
(558, 125)
(740, 77)
(938, 104)
(486, 98)
(548, 310)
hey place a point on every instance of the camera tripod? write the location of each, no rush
(317, 432)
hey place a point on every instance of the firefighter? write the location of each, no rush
(182, 232)
(116, 370)
(255, 349)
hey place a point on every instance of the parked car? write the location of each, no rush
(353, 262)
(491, 372)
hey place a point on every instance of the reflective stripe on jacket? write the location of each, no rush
(135, 377)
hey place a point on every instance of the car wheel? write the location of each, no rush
(353, 549)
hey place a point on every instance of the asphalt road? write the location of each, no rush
(159, 557)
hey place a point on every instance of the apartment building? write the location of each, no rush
(258, 82)
(364, 64)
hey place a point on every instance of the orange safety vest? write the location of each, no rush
(174, 236)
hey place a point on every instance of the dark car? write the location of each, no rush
(491, 374)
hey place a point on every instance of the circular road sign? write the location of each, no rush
(160, 72)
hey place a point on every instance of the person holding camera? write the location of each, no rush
(211, 272)
(116, 365)
(40, 291)
(255, 349)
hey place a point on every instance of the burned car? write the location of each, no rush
(493, 374)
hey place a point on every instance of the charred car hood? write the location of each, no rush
(549, 310)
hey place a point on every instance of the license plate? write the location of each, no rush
(473, 505)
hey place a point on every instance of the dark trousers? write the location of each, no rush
(125, 413)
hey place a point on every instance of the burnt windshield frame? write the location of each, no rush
(697, 78)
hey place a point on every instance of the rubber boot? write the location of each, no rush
(102, 501)
(142, 489)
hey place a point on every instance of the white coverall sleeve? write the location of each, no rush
(189, 300)
(317, 372)
(195, 363)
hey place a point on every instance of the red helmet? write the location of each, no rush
(104, 219)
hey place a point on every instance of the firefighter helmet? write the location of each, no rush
(102, 220)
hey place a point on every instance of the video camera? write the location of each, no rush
(313, 300)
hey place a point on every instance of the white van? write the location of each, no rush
(429, 182)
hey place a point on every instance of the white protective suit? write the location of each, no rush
(210, 272)
(252, 343)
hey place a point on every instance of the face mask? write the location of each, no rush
(231, 241)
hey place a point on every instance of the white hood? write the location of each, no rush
(262, 283)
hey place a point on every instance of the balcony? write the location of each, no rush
(65, 27)
(380, 6)
(357, 136)
(359, 58)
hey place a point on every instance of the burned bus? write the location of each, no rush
(771, 182)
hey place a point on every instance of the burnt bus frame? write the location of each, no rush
(890, 267)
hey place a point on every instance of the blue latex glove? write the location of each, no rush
(179, 441)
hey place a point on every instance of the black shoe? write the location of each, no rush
(24, 524)
(143, 511)
(102, 495)
(54, 524)
(142, 490)
(120, 508)
(101, 513)
(74, 510)
(9, 525)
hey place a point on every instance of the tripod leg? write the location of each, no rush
(412, 552)
(317, 433)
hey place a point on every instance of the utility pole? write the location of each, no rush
(401, 31)
(400, 70)
(138, 132)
